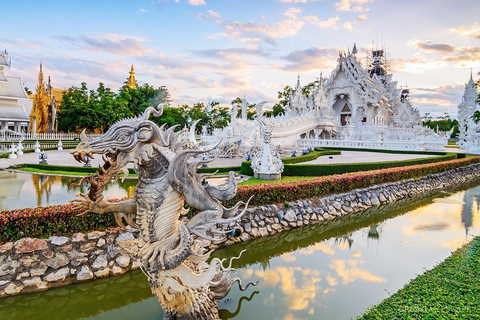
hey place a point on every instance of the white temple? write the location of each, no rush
(358, 107)
(469, 135)
(15, 105)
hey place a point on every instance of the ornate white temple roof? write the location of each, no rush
(12, 88)
(371, 89)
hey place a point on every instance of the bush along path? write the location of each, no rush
(449, 291)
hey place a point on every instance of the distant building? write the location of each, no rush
(15, 105)
(46, 101)
(131, 82)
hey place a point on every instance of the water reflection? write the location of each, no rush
(325, 271)
(23, 190)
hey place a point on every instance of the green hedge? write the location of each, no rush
(301, 189)
(246, 167)
(43, 222)
(339, 168)
(219, 169)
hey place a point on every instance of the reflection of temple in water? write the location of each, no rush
(10, 186)
(470, 207)
(43, 185)
(346, 238)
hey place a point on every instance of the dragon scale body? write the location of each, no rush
(167, 179)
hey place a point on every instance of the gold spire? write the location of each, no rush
(131, 82)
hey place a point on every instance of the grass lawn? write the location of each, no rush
(254, 181)
(451, 290)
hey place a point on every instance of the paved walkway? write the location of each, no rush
(64, 158)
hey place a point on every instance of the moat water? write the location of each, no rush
(328, 271)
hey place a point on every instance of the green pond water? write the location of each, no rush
(24, 190)
(329, 271)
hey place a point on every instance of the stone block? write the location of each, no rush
(58, 261)
(290, 216)
(13, 289)
(58, 275)
(27, 245)
(95, 235)
(58, 241)
(125, 236)
(84, 274)
(78, 237)
(32, 282)
(101, 242)
(102, 273)
(123, 261)
(6, 247)
(100, 262)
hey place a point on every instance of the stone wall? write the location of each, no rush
(271, 219)
(29, 265)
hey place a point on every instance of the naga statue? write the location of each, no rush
(169, 247)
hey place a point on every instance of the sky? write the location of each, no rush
(214, 50)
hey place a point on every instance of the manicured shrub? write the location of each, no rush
(246, 167)
(339, 168)
(325, 185)
(43, 222)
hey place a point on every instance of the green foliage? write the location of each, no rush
(445, 124)
(476, 116)
(246, 167)
(448, 291)
(293, 169)
(339, 168)
(43, 222)
(325, 185)
(99, 109)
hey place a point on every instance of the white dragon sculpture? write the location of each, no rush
(168, 249)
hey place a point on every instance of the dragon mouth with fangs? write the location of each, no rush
(102, 177)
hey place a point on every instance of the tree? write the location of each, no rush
(284, 98)
(141, 97)
(76, 113)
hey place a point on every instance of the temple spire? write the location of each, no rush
(131, 83)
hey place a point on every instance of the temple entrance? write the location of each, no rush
(345, 114)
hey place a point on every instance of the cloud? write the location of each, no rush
(362, 17)
(429, 46)
(292, 13)
(438, 100)
(348, 25)
(32, 44)
(110, 43)
(349, 271)
(142, 10)
(352, 5)
(252, 32)
(473, 31)
(310, 59)
(197, 2)
(329, 23)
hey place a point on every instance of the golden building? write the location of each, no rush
(46, 101)
(131, 82)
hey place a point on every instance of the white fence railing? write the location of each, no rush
(365, 144)
(7, 135)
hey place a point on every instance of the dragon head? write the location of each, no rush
(127, 141)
